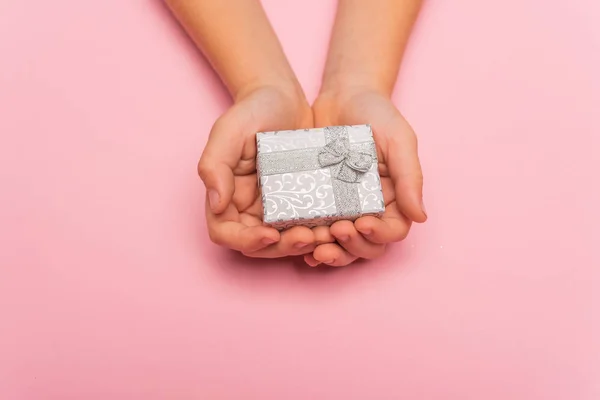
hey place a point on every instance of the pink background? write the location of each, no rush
(110, 288)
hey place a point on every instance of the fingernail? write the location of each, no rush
(366, 232)
(311, 261)
(344, 238)
(329, 262)
(268, 241)
(423, 208)
(300, 245)
(213, 198)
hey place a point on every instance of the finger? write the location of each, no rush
(323, 235)
(354, 243)
(392, 227)
(295, 241)
(405, 170)
(246, 197)
(219, 182)
(226, 230)
(311, 261)
(333, 254)
(219, 158)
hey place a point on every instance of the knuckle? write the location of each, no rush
(205, 168)
(413, 138)
(299, 252)
(401, 234)
(219, 125)
(418, 176)
(215, 236)
(407, 138)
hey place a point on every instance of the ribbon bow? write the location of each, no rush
(347, 165)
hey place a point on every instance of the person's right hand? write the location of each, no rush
(399, 168)
(228, 169)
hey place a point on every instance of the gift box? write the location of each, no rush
(318, 176)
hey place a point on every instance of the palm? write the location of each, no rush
(246, 200)
(398, 168)
(262, 111)
(378, 111)
(230, 155)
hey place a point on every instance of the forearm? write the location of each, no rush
(367, 44)
(238, 40)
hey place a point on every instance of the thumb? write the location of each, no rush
(405, 170)
(219, 181)
(221, 154)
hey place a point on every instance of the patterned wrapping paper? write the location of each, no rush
(318, 176)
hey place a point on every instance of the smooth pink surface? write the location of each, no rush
(110, 289)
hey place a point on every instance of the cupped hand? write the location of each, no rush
(399, 167)
(228, 169)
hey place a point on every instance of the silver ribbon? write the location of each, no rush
(347, 164)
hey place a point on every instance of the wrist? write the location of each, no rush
(344, 103)
(335, 97)
(276, 95)
(343, 85)
(288, 86)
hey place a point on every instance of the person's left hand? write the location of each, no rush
(400, 172)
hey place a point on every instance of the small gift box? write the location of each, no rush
(318, 176)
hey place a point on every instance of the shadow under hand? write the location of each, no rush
(291, 276)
